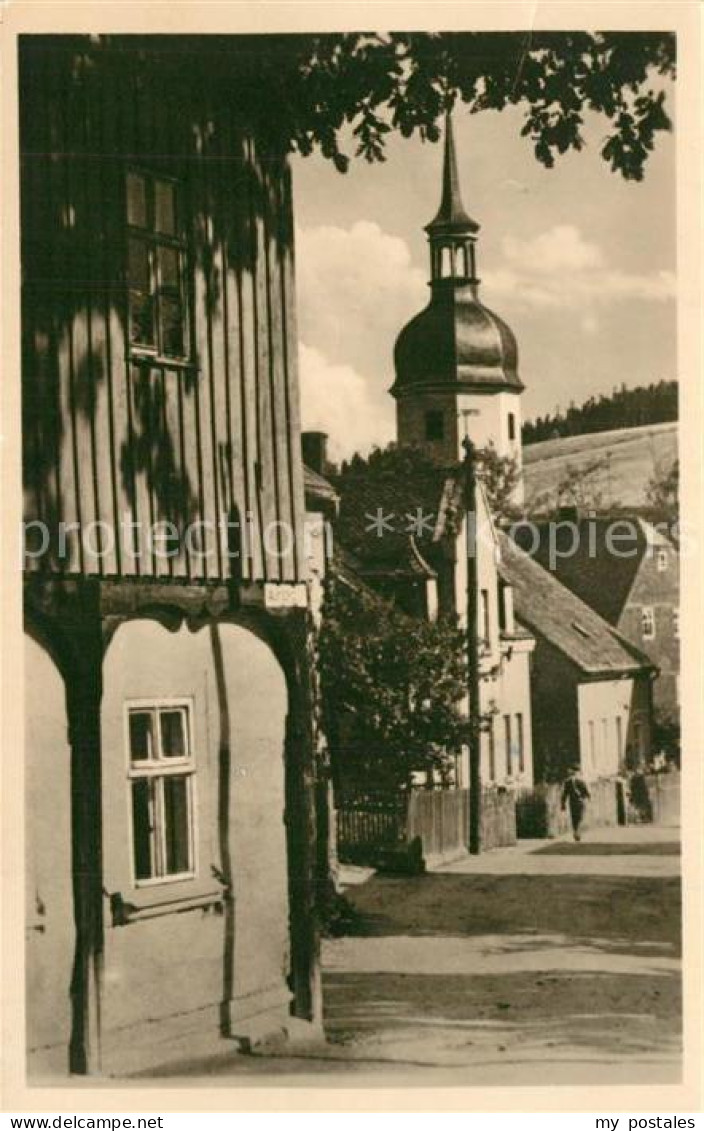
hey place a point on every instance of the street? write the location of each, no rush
(550, 963)
(552, 959)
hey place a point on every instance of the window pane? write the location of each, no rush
(143, 828)
(138, 265)
(136, 200)
(165, 207)
(171, 313)
(141, 318)
(177, 824)
(173, 734)
(169, 267)
(141, 736)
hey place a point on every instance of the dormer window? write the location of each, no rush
(434, 425)
(156, 266)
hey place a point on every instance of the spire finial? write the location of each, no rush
(451, 215)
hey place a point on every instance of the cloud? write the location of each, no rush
(336, 399)
(356, 288)
(559, 268)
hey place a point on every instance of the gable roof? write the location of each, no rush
(582, 556)
(548, 608)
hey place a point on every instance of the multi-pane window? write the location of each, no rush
(662, 560)
(156, 266)
(507, 742)
(161, 783)
(676, 623)
(647, 622)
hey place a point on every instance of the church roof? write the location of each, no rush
(451, 215)
(455, 341)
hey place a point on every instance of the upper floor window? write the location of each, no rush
(661, 560)
(511, 426)
(647, 622)
(485, 626)
(434, 425)
(161, 779)
(156, 266)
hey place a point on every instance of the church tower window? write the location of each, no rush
(434, 425)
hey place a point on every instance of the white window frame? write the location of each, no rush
(662, 560)
(163, 768)
(647, 622)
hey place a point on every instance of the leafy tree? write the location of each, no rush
(321, 92)
(624, 408)
(401, 476)
(369, 84)
(499, 476)
(397, 682)
(662, 491)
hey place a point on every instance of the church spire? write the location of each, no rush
(452, 233)
(451, 216)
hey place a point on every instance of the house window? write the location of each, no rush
(492, 750)
(661, 560)
(619, 738)
(507, 739)
(511, 426)
(647, 622)
(520, 743)
(604, 742)
(156, 266)
(676, 623)
(161, 778)
(592, 745)
(434, 425)
(485, 616)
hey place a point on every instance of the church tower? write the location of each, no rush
(456, 362)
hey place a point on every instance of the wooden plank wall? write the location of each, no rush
(122, 445)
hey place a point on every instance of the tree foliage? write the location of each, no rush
(343, 94)
(365, 85)
(663, 490)
(656, 403)
(400, 476)
(393, 686)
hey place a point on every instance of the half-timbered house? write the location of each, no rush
(169, 760)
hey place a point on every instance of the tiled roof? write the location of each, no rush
(395, 547)
(586, 562)
(552, 611)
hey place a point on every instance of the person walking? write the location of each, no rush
(575, 794)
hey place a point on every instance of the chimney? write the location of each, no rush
(314, 446)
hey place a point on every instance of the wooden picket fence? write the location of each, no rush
(414, 828)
